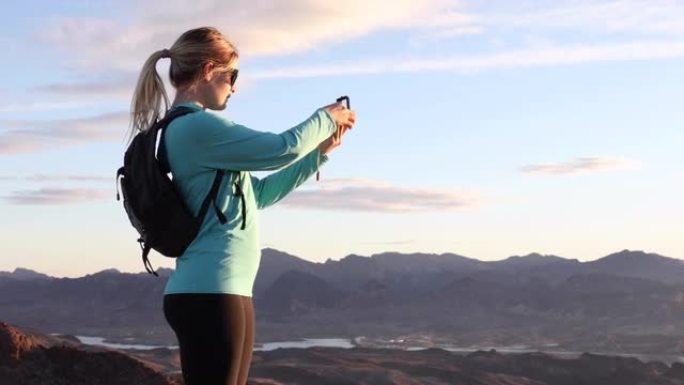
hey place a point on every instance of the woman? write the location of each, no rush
(208, 298)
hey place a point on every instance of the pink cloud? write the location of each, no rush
(58, 178)
(29, 136)
(581, 166)
(57, 196)
(367, 195)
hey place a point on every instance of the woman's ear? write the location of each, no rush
(207, 69)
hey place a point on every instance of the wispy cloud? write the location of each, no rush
(581, 166)
(543, 56)
(46, 106)
(640, 17)
(119, 89)
(389, 243)
(555, 33)
(100, 47)
(368, 195)
(296, 26)
(275, 28)
(23, 136)
(57, 178)
(57, 196)
(521, 58)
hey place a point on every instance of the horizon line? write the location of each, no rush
(112, 269)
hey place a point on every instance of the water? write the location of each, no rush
(347, 343)
(302, 344)
(307, 343)
(99, 341)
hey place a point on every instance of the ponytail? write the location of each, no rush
(146, 106)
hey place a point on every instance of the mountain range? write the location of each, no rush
(626, 301)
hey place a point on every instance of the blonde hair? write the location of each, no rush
(188, 55)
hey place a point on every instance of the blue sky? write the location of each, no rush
(485, 128)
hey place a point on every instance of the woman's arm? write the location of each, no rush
(222, 144)
(275, 187)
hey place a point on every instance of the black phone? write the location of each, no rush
(344, 98)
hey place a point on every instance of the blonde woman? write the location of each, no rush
(208, 297)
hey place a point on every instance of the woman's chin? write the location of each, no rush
(219, 107)
(223, 105)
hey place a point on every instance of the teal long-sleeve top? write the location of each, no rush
(224, 258)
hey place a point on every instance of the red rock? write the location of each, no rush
(13, 345)
(33, 359)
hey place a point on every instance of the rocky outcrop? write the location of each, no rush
(33, 359)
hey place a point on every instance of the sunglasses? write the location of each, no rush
(233, 76)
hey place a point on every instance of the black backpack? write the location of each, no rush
(153, 205)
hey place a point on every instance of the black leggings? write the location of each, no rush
(212, 335)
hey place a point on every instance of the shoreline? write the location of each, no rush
(356, 342)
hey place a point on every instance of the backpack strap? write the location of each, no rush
(146, 261)
(213, 192)
(161, 125)
(241, 194)
(211, 197)
(166, 167)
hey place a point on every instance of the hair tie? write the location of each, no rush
(165, 53)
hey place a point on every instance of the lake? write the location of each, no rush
(267, 346)
(347, 343)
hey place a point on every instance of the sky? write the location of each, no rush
(484, 128)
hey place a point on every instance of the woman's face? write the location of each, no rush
(218, 87)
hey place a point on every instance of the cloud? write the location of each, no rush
(58, 178)
(464, 64)
(47, 106)
(23, 136)
(653, 17)
(297, 26)
(109, 55)
(368, 195)
(388, 243)
(258, 28)
(57, 196)
(520, 58)
(103, 90)
(570, 33)
(451, 33)
(581, 166)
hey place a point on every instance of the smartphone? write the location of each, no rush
(344, 98)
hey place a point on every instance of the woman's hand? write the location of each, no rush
(343, 117)
(333, 141)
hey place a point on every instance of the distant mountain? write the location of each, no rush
(523, 297)
(354, 270)
(607, 283)
(418, 273)
(533, 262)
(21, 274)
(297, 292)
(128, 302)
(641, 265)
(274, 263)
